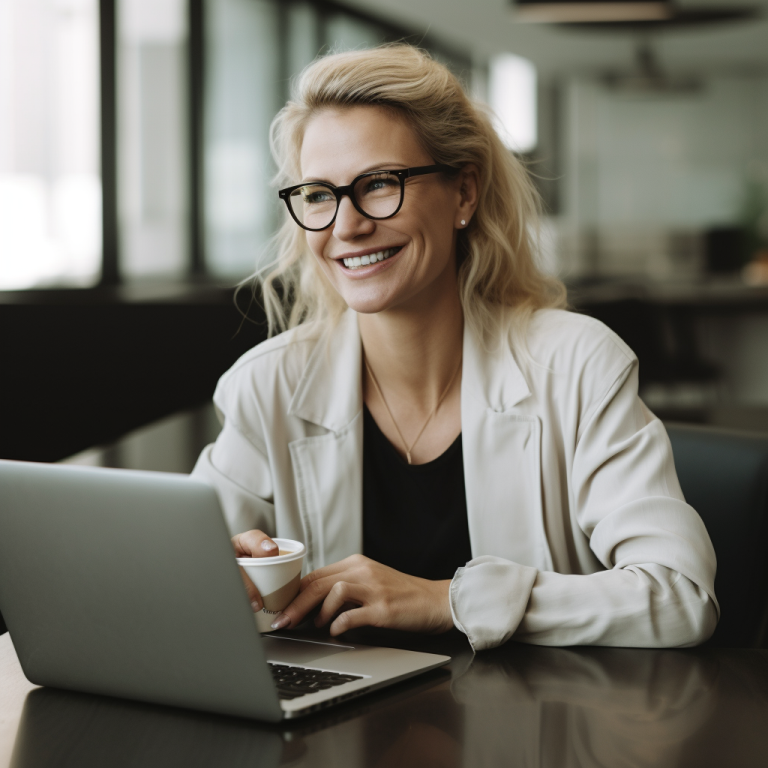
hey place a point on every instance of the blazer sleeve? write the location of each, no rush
(238, 468)
(657, 589)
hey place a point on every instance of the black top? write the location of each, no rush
(414, 516)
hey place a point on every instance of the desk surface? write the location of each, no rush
(514, 706)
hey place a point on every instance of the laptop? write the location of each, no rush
(124, 583)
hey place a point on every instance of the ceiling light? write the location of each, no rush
(628, 14)
(577, 12)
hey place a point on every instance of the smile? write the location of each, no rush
(371, 258)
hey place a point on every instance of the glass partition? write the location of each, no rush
(242, 96)
(152, 137)
(220, 69)
(50, 186)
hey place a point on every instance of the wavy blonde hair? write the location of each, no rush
(497, 252)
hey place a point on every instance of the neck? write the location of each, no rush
(414, 351)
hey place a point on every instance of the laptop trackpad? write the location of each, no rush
(290, 651)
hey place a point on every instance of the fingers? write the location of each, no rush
(356, 617)
(253, 593)
(303, 603)
(354, 561)
(358, 591)
(341, 594)
(254, 544)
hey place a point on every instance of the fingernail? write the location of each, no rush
(268, 545)
(256, 605)
(281, 622)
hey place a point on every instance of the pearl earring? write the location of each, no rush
(463, 223)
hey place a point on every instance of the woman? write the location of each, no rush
(452, 448)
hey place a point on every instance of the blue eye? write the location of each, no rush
(380, 184)
(317, 196)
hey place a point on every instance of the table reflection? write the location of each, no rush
(517, 706)
(65, 729)
(604, 707)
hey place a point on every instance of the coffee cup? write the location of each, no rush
(277, 579)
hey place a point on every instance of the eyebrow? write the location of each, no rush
(369, 169)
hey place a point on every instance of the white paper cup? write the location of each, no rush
(277, 579)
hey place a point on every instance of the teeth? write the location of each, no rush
(371, 258)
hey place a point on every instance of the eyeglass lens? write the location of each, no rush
(378, 195)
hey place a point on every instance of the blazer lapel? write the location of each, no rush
(501, 444)
(328, 465)
(329, 482)
(502, 458)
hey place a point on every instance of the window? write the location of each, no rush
(512, 96)
(186, 118)
(152, 137)
(242, 95)
(50, 187)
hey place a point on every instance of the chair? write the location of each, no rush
(724, 477)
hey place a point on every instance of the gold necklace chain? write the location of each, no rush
(429, 418)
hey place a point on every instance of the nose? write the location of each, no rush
(350, 223)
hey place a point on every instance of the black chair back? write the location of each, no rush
(724, 476)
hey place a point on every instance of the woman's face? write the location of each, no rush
(419, 243)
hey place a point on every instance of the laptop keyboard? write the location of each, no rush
(293, 682)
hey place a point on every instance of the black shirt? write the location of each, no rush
(414, 516)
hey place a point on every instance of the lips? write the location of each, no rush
(372, 258)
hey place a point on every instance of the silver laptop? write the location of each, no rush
(124, 583)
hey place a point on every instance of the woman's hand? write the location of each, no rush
(360, 592)
(253, 544)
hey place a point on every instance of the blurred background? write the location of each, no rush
(135, 191)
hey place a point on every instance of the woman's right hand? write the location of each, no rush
(253, 544)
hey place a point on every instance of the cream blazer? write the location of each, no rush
(579, 530)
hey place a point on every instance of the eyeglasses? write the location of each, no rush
(376, 195)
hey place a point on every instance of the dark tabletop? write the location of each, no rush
(514, 706)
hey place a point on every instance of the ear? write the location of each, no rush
(469, 190)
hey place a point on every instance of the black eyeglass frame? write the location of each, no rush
(348, 190)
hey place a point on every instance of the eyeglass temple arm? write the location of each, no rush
(422, 170)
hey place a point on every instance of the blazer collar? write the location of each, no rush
(491, 374)
(330, 390)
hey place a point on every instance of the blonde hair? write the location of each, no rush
(497, 263)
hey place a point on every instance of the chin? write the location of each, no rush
(368, 307)
(368, 303)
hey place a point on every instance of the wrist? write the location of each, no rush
(441, 602)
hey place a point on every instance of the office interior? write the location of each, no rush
(135, 195)
(135, 191)
(136, 201)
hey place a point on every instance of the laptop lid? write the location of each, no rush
(124, 583)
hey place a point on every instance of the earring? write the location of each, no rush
(463, 223)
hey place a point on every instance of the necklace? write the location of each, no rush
(429, 418)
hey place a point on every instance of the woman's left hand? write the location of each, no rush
(360, 592)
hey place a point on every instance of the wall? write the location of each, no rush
(640, 173)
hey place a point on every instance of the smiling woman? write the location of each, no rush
(452, 448)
